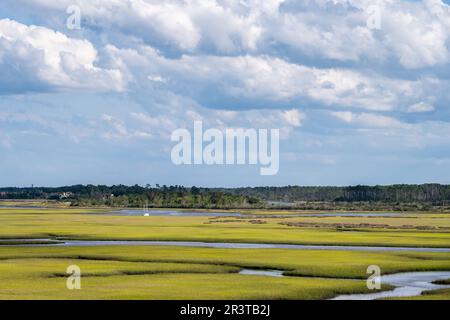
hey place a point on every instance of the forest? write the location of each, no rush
(394, 197)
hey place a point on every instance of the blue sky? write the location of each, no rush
(355, 104)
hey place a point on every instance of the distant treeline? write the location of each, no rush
(394, 193)
(353, 197)
(135, 196)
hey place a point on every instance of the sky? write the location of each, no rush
(359, 89)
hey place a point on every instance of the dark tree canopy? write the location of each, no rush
(251, 197)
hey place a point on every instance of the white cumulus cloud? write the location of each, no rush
(37, 58)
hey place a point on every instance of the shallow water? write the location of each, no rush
(23, 207)
(268, 273)
(157, 213)
(187, 213)
(173, 213)
(407, 285)
(25, 240)
(225, 245)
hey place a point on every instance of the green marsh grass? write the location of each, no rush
(152, 272)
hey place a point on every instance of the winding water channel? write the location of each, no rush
(184, 213)
(222, 245)
(407, 284)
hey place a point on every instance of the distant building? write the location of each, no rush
(65, 195)
(108, 197)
